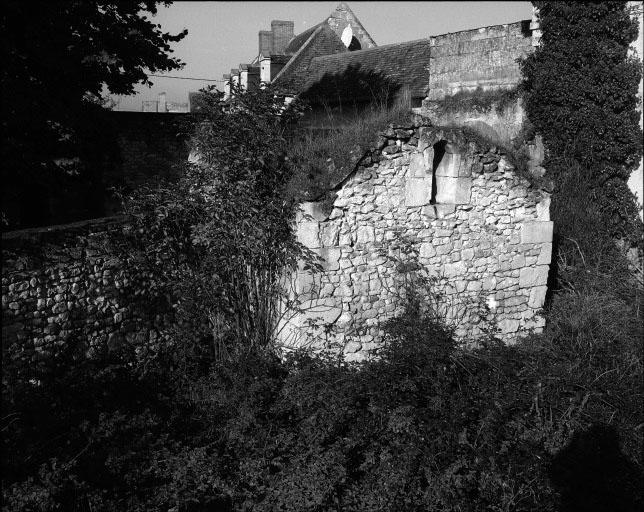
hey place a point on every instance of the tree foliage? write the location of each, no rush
(57, 59)
(580, 90)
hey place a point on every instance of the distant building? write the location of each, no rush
(162, 105)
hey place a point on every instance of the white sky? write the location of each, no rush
(222, 35)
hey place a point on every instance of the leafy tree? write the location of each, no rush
(580, 90)
(58, 56)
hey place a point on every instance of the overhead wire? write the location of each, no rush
(187, 78)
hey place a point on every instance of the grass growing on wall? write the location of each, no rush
(323, 157)
(479, 99)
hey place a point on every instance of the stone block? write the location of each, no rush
(418, 167)
(536, 232)
(545, 256)
(449, 165)
(543, 209)
(427, 250)
(518, 261)
(489, 283)
(308, 233)
(365, 234)
(328, 234)
(352, 347)
(533, 276)
(438, 211)
(312, 209)
(331, 257)
(418, 191)
(453, 190)
(306, 284)
(508, 326)
(537, 297)
(467, 254)
(454, 269)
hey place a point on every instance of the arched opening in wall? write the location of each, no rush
(354, 45)
(439, 154)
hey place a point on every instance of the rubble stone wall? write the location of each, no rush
(71, 283)
(427, 198)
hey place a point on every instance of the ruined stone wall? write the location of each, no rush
(481, 233)
(71, 283)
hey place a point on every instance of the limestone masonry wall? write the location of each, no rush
(484, 57)
(430, 196)
(70, 283)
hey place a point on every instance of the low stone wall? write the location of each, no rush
(429, 196)
(72, 283)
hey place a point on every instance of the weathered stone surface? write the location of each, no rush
(417, 167)
(543, 209)
(328, 234)
(449, 165)
(509, 325)
(365, 234)
(330, 257)
(352, 347)
(537, 296)
(453, 190)
(536, 232)
(325, 311)
(533, 276)
(418, 191)
(427, 250)
(545, 255)
(307, 234)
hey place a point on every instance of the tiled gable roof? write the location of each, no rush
(322, 41)
(296, 43)
(404, 64)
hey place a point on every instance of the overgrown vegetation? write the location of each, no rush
(322, 158)
(580, 93)
(215, 421)
(428, 426)
(479, 99)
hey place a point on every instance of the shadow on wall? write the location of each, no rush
(349, 92)
(592, 474)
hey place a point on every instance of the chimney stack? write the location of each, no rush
(265, 37)
(282, 34)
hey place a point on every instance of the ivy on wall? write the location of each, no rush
(580, 90)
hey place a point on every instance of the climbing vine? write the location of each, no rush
(580, 91)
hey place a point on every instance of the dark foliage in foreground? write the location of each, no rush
(429, 426)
